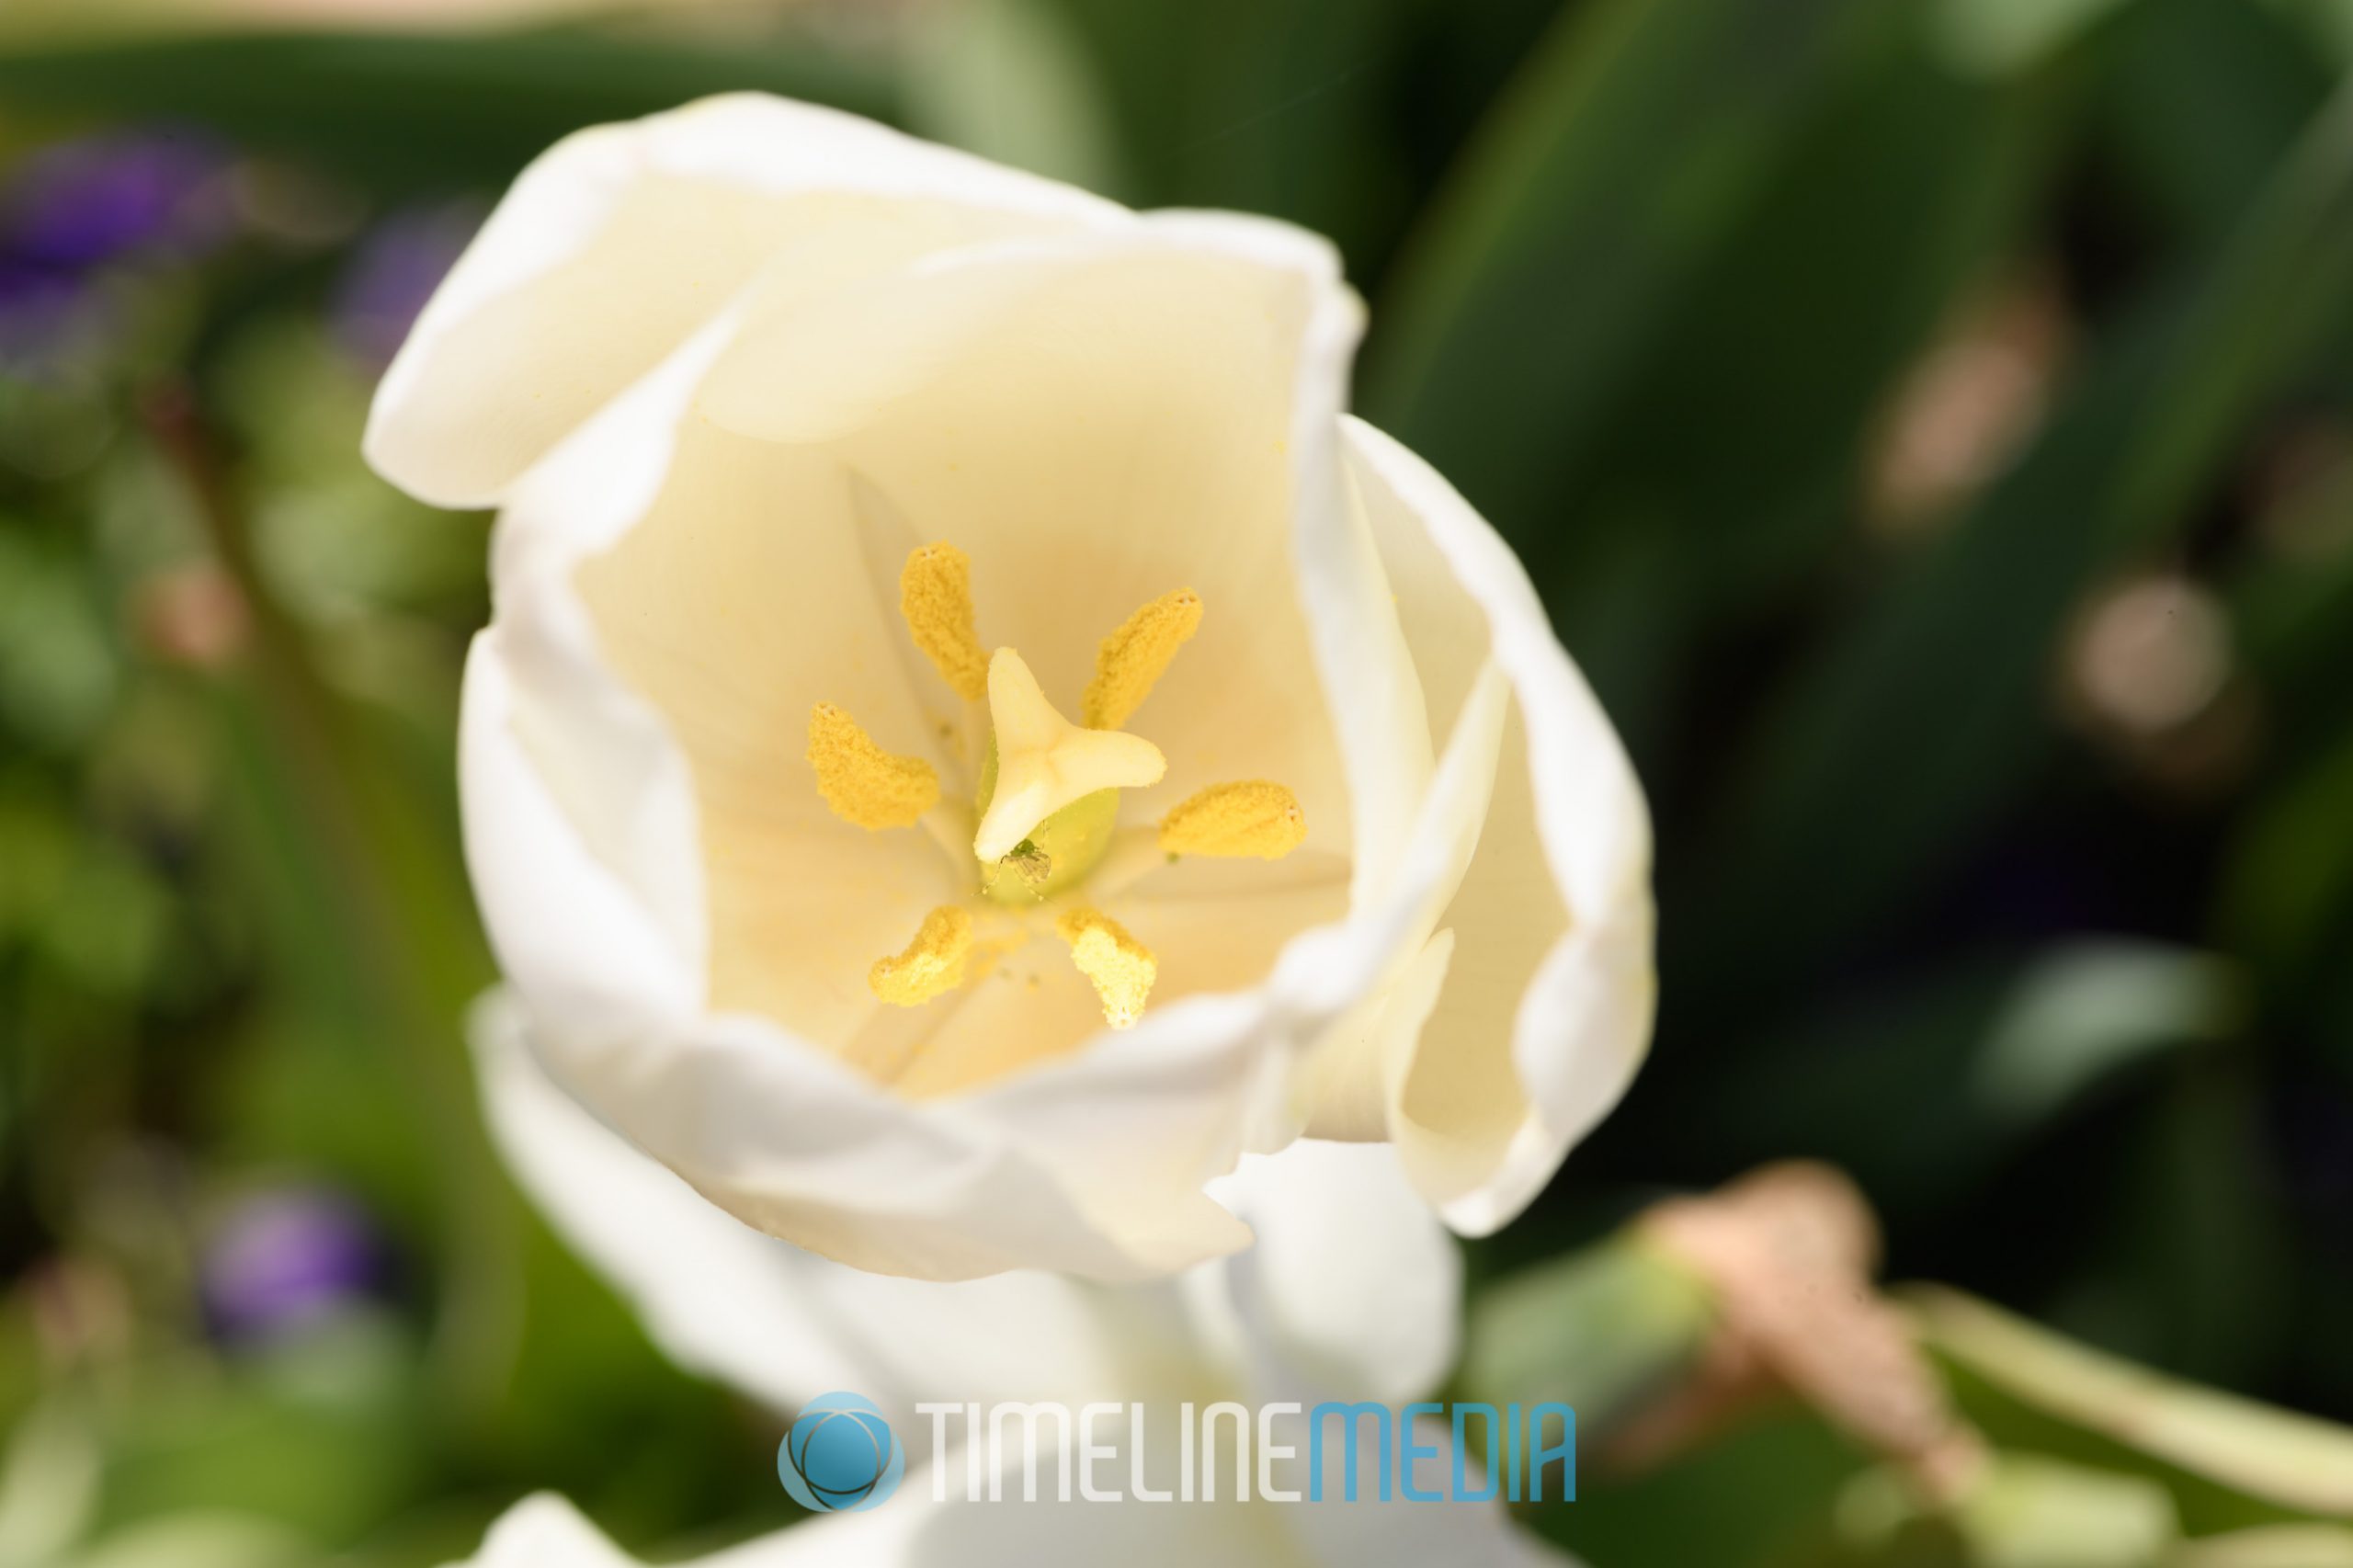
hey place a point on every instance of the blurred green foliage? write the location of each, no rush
(1930, 425)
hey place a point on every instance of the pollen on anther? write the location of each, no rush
(1253, 817)
(1120, 967)
(1130, 661)
(934, 963)
(863, 783)
(936, 597)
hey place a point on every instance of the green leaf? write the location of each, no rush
(1010, 80)
(1999, 37)
(1921, 1088)
(200, 1540)
(1599, 1330)
(1622, 334)
(2198, 101)
(2080, 1013)
(2282, 1546)
(1927, 714)
(1613, 169)
(1739, 1502)
(2288, 1461)
(59, 670)
(411, 110)
(2329, 21)
(316, 1433)
(2025, 1512)
(1739, 433)
(2290, 878)
(1280, 107)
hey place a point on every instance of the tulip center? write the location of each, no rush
(1050, 790)
(1046, 813)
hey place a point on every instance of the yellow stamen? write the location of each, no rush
(1131, 660)
(1120, 967)
(1044, 762)
(1233, 820)
(862, 782)
(936, 595)
(933, 964)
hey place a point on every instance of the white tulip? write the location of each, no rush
(909, 1532)
(972, 740)
(1351, 1292)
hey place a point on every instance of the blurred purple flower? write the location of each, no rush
(393, 272)
(71, 208)
(287, 1258)
(83, 203)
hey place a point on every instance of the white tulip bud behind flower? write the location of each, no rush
(971, 739)
(1351, 1292)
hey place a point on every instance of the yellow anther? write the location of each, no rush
(1044, 762)
(1131, 660)
(936, 595)
(1233, 820)
(862, 782)
(1120, 967)
(933, 964)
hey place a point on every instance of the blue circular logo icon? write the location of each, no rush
(841, 1456)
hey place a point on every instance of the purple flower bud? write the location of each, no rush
(287, 1258)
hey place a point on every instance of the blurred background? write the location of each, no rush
(1931, 426)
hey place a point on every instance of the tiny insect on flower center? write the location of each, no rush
(1046, 812)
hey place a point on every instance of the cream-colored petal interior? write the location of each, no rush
(1120, 433)
(1459, 1087)
(482, 397)
(1461, 1091)
(1091, 444)
(741, 601)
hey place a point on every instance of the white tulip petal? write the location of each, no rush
(800, 1146)
(777, 1323)
(609, 958)
(1373, 974)
(545, 1531)
(617, 242)
(1352, 1292)
(1547, 1009)
(913, 1530)
(1353, 1289)
(598, 750)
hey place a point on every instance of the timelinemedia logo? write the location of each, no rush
(841, 1457)
(841, 1454)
